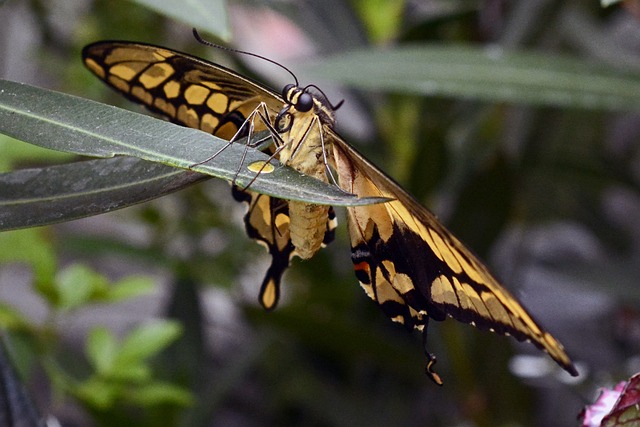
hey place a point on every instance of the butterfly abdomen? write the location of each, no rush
(308, 226)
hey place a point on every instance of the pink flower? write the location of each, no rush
(617, 407)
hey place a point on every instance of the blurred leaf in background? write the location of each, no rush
(516, 122)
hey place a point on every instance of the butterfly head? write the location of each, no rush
(302, 101)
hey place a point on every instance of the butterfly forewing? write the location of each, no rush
(185, 89)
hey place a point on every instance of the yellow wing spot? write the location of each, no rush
(126, 71)
(235, 105)
(196, 94)
(496, 309)
(282, 222)
(163, 105)
(162, 54)
(188, 116)
(403, 283)
(211, 85)
(118, 83)
(209, 122)
(390, 267)
(464, 299)
(156, 75)
(95, 68)
(218, 102)
(126, 53)
(474, 273)
(444, 252)
(475, 300)
(409, 220)
(368, 289)
(442, 291)
(261, 166)
(171, 89)
(142, 95)
(384, 291)
(268, 296)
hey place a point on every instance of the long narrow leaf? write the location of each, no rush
(71, 124)
(35, 197)
(485, 74)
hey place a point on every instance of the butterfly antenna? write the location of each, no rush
(230, 49)
(334, 107)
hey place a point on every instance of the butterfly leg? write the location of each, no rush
(431, 358)
(246, 129)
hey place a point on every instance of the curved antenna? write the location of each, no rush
(334, 107)
(230, 49)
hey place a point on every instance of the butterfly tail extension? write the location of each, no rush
(431, 358)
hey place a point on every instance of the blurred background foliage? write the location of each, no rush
(545, 191)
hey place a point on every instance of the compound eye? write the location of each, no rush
(305, 102)
(285, 91)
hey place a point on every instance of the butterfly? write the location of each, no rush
(404, 258)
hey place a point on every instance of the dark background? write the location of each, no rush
(547, 194)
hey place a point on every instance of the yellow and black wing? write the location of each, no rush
(404, 258)
(267, 221)
(199, 94)
(415, 269)
(185, 89)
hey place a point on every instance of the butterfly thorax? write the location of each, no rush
(304, 148)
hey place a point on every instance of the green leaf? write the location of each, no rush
(97, 393)
(67, 123)
(77, 285)
(13, 151)
(101, 348)
(206, 15)
(32, 247)
(161, 393)
(129, 287)
(147, 340)
(36, 197)
(11, 319)
(485, 74)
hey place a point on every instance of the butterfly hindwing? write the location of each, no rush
(414, 268)
(267, 221)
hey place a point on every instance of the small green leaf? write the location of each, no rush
(101, 348)
(129, 287)
(31, 247)
(11, 319)
(147, 340)
(133, 373)
(97, 393)
(77, 285)
(161, 393)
